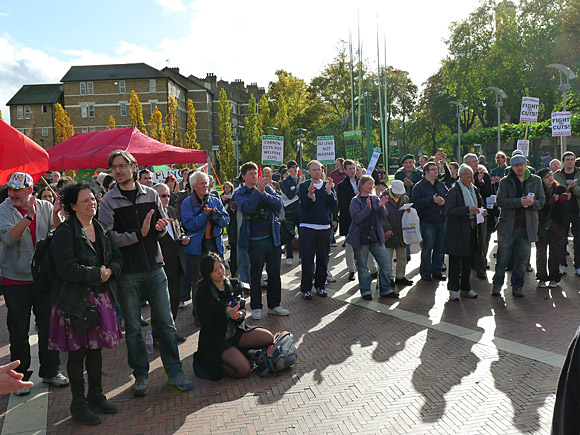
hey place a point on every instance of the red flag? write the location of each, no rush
(259, 171)
(299, 172)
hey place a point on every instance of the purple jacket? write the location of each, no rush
(358, 213)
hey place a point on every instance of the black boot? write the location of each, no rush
(96, 398)
(79, 409)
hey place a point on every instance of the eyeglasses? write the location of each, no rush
(122, 166)
(164, 196)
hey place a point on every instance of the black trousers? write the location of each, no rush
(262, 252)
(460, 267)
(555, 240)
(294, 217)
(314, 243)
(20, 300)
(574, 222)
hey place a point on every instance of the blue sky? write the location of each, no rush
(41, 40)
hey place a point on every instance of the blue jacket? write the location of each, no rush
(319, 211)
(195, 220)
(290, 189)
(422, 199)
(359, 211)
(249, 201)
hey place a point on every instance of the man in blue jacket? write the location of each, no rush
(317, 202)
(260, 237)
(428, 198)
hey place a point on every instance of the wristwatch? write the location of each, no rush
(26, 216)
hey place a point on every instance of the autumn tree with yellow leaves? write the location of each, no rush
(172, 133)
(136, 113)
(62, 125)
(190, 132)
(111, 124)
(156, 126)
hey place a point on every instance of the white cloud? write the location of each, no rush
(172, 5)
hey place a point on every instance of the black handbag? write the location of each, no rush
(287, 231)
(87, 321)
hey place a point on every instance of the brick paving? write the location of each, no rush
(361, 371)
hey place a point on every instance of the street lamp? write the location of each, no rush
(301, 132)
(564, 87)
(460, 109)
(499, 96)
(271, 128)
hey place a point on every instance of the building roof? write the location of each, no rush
(37, 94)
(111, 72)
(187, 82)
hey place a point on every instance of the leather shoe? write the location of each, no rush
(440, 277)
(351, 276)
(181, 339)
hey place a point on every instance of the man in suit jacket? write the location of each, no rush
(173, 255)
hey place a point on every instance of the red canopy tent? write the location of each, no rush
(19, 153)
(91, 150)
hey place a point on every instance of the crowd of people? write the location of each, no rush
(122, 241)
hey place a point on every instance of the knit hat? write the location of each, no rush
(291, 164)
(407, 156)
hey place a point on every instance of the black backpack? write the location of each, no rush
(43, 266)
(278, 356)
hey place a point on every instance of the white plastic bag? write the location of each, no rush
(411, 228)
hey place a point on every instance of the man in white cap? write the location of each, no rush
(24, 220)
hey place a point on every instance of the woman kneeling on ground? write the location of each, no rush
(88, 263)
(224, 334)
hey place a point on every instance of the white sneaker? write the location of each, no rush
(578, 271)
(542, 284)
(562, 269)
(331, 278)
(469, 294)
(257, 314)
(279, 311)
(553, 284)
(289, 261)
(453, 296)
(182, 304)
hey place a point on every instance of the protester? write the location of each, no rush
(346, 190)
(204, 219)
(55, 177)
(463, 237)
(290, 201)
(226, 196)
(133, 212)
(555, 165)
(550, 231)
(172, 244)
(89, 263)
(423, 161)
(566, 419)
(224, 334)
(317, 203)
(408, 173)
(453, 175)
(393, 229)
(366, 235)
(184, 183)
(10, 380)
(260, 237)
(146, 177)
(381, 188)
(171, 183)
(500, 171)
(481, 161)
(23, 221)
(428, 198)
(46, 195)
(518, 223)
(339, 173)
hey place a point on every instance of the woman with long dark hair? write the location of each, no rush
(224, 334)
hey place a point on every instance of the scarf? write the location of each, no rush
(468, 196)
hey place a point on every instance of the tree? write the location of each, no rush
(225, 155)
(190, 132)
(136, 113)
(282, 122)
(252, 142)
(263, 114)
(172, 133)
(62, 125)
(156, 126)
(111, 123)
(1, 116)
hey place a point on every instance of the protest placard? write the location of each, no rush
(272, 150)
(325, 149)
(524, 146)
(529, 110)
(374, 160)
(353, 144)
(561, 124)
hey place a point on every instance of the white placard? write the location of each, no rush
(374, 160)
(406, 206)
(524, 147)
(529, 110)
(325, 149)
(272, 150)
(479, 217)
(561, 124)
(160, 177)
(491, 201)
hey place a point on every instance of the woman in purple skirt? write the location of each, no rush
(83, 319)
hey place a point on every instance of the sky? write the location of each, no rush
(247, 40)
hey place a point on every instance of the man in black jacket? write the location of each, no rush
(134, 214)
(289, 187)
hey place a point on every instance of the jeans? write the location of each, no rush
(431, 249)
(262, 252)
(518, 243)
(20, 299)
(153, 285)
(314, 243)
(381, 255)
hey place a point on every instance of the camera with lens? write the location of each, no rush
(261, 213)
(238, 290)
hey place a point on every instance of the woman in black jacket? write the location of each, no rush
(462, 235)
(224, 334)
(88, 263)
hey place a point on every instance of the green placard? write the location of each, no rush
(353, 144)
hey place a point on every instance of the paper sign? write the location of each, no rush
(374, 160)
(325, 149)
(524, 146)
(272, 150)
(479, 217)
(529, 111)
(406, 206)
(491, 201)
(561, 124)
(353, 144)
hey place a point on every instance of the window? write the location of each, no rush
(85, 129)
(83, 88)
(123, 106)
(91, 129)
(152, 86)
(26, 112)
(25, 131)
(91, 107)
(153, 104)
(43, 108)
(122, 87)
(90, 88)
(87, 110)
(20, 112)
(83, 110)
(44, 131)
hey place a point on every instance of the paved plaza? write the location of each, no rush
(419, 365)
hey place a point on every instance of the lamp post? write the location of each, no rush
(499, 96)
(564, 87)
(271, 128)
(301, 132)
(460, 109)
(237, 141)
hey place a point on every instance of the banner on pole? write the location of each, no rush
(353, 144)
(394, 149)
(374, 160)
(561, 124)
(524, 147)
(272, 150)
(325, 150)
(529, 110)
